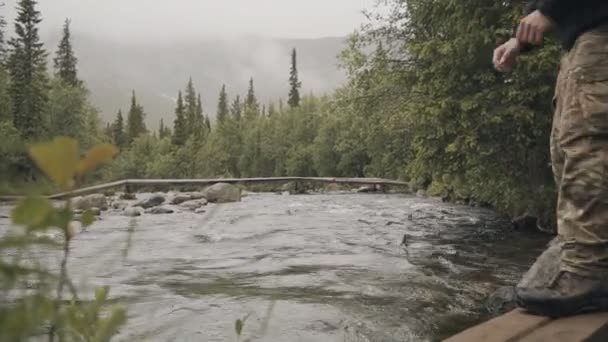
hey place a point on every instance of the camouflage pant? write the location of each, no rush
(579, 153)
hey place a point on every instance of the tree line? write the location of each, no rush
(422, 103)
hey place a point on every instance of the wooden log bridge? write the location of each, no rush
(132, 184)
(518, 326)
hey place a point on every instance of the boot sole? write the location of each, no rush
(559, 310)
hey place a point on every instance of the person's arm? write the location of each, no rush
(532, 6)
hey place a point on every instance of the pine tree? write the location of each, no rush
(237, 109)
(163, 131)
(252, 107)
(2, 47)
(222, 106)
(294, 83)
(27, 69)
(180, 129)
(65, 60)
(271, 110)
(200, 123)
(118, 131)
(135, 120)
(190, 101)
(107, 132)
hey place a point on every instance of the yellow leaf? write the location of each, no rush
(96, 156)
(58, 159)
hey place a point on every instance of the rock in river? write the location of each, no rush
(133, 211)
(151, 202)
(222, 193)
(194, 204)
(540, 275)
(160, 211)
(91, 201)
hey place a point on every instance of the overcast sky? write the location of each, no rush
(173, 18)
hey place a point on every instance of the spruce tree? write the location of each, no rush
(118, 131)
(294, 83)
(190, 102)
(65, 59)
(135, 120)
(2, 47)
(180, 129)
(27, 69)
(163, 131)
(200, 123)
(107, 132)
(271, 110)
(252, 107)
(237, 109)
(222, 106)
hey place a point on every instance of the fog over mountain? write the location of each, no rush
(156, 71)
(155, 46)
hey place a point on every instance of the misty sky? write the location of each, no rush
(162, 19)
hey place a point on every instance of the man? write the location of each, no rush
(579, 150)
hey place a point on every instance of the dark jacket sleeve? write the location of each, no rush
(553, 9)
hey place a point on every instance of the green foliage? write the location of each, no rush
(65, 110)
(30, 312)
(6, 108)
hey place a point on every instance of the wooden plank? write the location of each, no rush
(584, 328)
(148, 182)
(506, 328)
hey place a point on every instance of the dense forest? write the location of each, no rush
(422, 103)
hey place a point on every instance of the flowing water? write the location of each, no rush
(303, 268)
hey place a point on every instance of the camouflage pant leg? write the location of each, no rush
(557, 155)
(582, 136)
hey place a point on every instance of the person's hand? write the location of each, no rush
(505, 55)
(533, 27)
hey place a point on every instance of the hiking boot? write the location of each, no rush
(569, 294)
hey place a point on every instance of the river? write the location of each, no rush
(325, 267)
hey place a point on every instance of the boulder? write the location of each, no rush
(194, 204)
(366, 189)
(222, 193)
(129, 196)
(200, 211)
(180, 198)
(540, 275)
(91, 201)
(151, 202)
(133, 211)
(525, 223)
(118, 205)
(196, 195)
(159, 211)
(332, 187)
(188, 196)
(421, 193)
